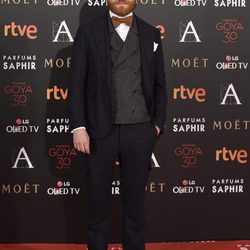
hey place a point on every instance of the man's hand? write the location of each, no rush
(81, 140)
(158, 129)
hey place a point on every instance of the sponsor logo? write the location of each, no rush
(236, 155)
(19, 93)
(230, 28)
(22, 126)
(188, 153)
(225, 186)
(188, 187)
(63, 188)
(57, 125)
(188, 124)
(63, 154)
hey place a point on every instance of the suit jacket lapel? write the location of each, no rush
(100, 32)
(146, 49)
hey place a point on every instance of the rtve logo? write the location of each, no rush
(231, 155)
(187, 93)
(18, 30)
(57, 93)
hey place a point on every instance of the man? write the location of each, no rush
(117, 107)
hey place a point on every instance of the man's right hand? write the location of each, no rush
(81, 140)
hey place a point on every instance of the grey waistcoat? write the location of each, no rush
(128, 101)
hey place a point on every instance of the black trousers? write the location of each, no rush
(133, 144)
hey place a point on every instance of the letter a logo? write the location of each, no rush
(189, 34)
(22, 160)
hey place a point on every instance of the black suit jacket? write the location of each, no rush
(91, 76)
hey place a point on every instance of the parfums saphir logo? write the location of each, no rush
(188, 124)
(18, 62)
(57, 125)
(230, 3)
(227, 186)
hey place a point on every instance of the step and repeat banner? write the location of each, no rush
(199, 185)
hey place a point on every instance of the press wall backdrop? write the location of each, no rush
(199, 186)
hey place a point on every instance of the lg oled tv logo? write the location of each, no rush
(63, 2)
(232, 63)
(63, 188)
(188, 187)
(190, 3)
(22, 126)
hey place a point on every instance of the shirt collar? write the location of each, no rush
(113, 14)
(112, 28)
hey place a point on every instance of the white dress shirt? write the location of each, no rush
(122, 30)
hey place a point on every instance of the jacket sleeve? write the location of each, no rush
(77, 80)
(160, 90)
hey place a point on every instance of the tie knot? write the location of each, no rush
(118, 20)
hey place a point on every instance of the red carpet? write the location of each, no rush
(217, 245)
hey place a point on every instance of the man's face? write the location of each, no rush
(121, 7)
